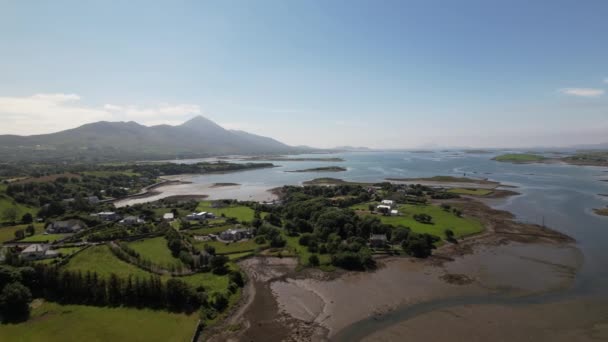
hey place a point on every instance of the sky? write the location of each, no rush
(381, 74)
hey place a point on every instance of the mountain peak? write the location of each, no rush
(198, 120)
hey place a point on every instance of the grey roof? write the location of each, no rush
(378, 237)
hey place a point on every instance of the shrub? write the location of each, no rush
(313, 260)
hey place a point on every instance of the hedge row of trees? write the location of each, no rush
(18, 285)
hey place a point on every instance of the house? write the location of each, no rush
(131, 221)
(390, 203)
(236, 234)
(168, 217)
(108, 216)
(63, 227)
(378, 240)
(384, 209)
(394, 212)
(200, 216)
(38, 251)
(92, 199)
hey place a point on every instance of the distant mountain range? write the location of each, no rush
(104, 141)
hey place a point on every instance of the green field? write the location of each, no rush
(239, 212)
(304, 254)
(211, 282)
(519, 158)
(209, 230)
(106, 174)
(7, 202)
(68, 250)
(442, 220)
(101, 260)
(44, 238)
(8, 233)
(233, 247)
(473, 192)
(155, 250)
(52, 322)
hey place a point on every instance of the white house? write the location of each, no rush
(390, 203)
(38, 251)
(131, 221)
(394, 212)
(69, 226)
(385, 209)
(108, 216)
(200, 216)
(235, 234)
(168, 217)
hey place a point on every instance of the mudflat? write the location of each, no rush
(508, 260)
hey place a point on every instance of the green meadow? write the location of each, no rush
(442, 220)
(473, 192)
(53, 322)
(101, 260)
(519, 158)
(239, 212)
(155, 250)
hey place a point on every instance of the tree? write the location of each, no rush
(237, 278)
(15, 302)
(313, 260)
(209, 249)
(19, 234)
(27, 218)
(370, 207)
(449, 236)
(179, 295)
(218, 264)
(30, 230)
(423, 218)
(10, 214)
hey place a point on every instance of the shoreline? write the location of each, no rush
(309, 305)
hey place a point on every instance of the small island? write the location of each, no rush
(520, 158)
(445, 179)
(601, 211)
(284, 158)
(595, 158)
(322, 169)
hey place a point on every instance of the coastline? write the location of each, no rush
(309, 305)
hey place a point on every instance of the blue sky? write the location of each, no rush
(321, 73)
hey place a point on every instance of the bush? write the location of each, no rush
(237, 278)
(423, 218)
(278, 242)
(15, 302)
(313, 260)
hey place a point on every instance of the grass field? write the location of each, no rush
(101, 260)
(155, 250)
(8, 233)
(106, 174)
(44, 238)
(6, 202)
(52, 322)
(519, 158)
(68, 250)
(442, 220)
(233, 247)
(211, 282)
(239, 212)
(473, 192)
(209, 230)
(304, 254)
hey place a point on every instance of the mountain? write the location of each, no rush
(101, 141)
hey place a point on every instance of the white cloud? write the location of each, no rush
(583, 92)
(45, 113)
